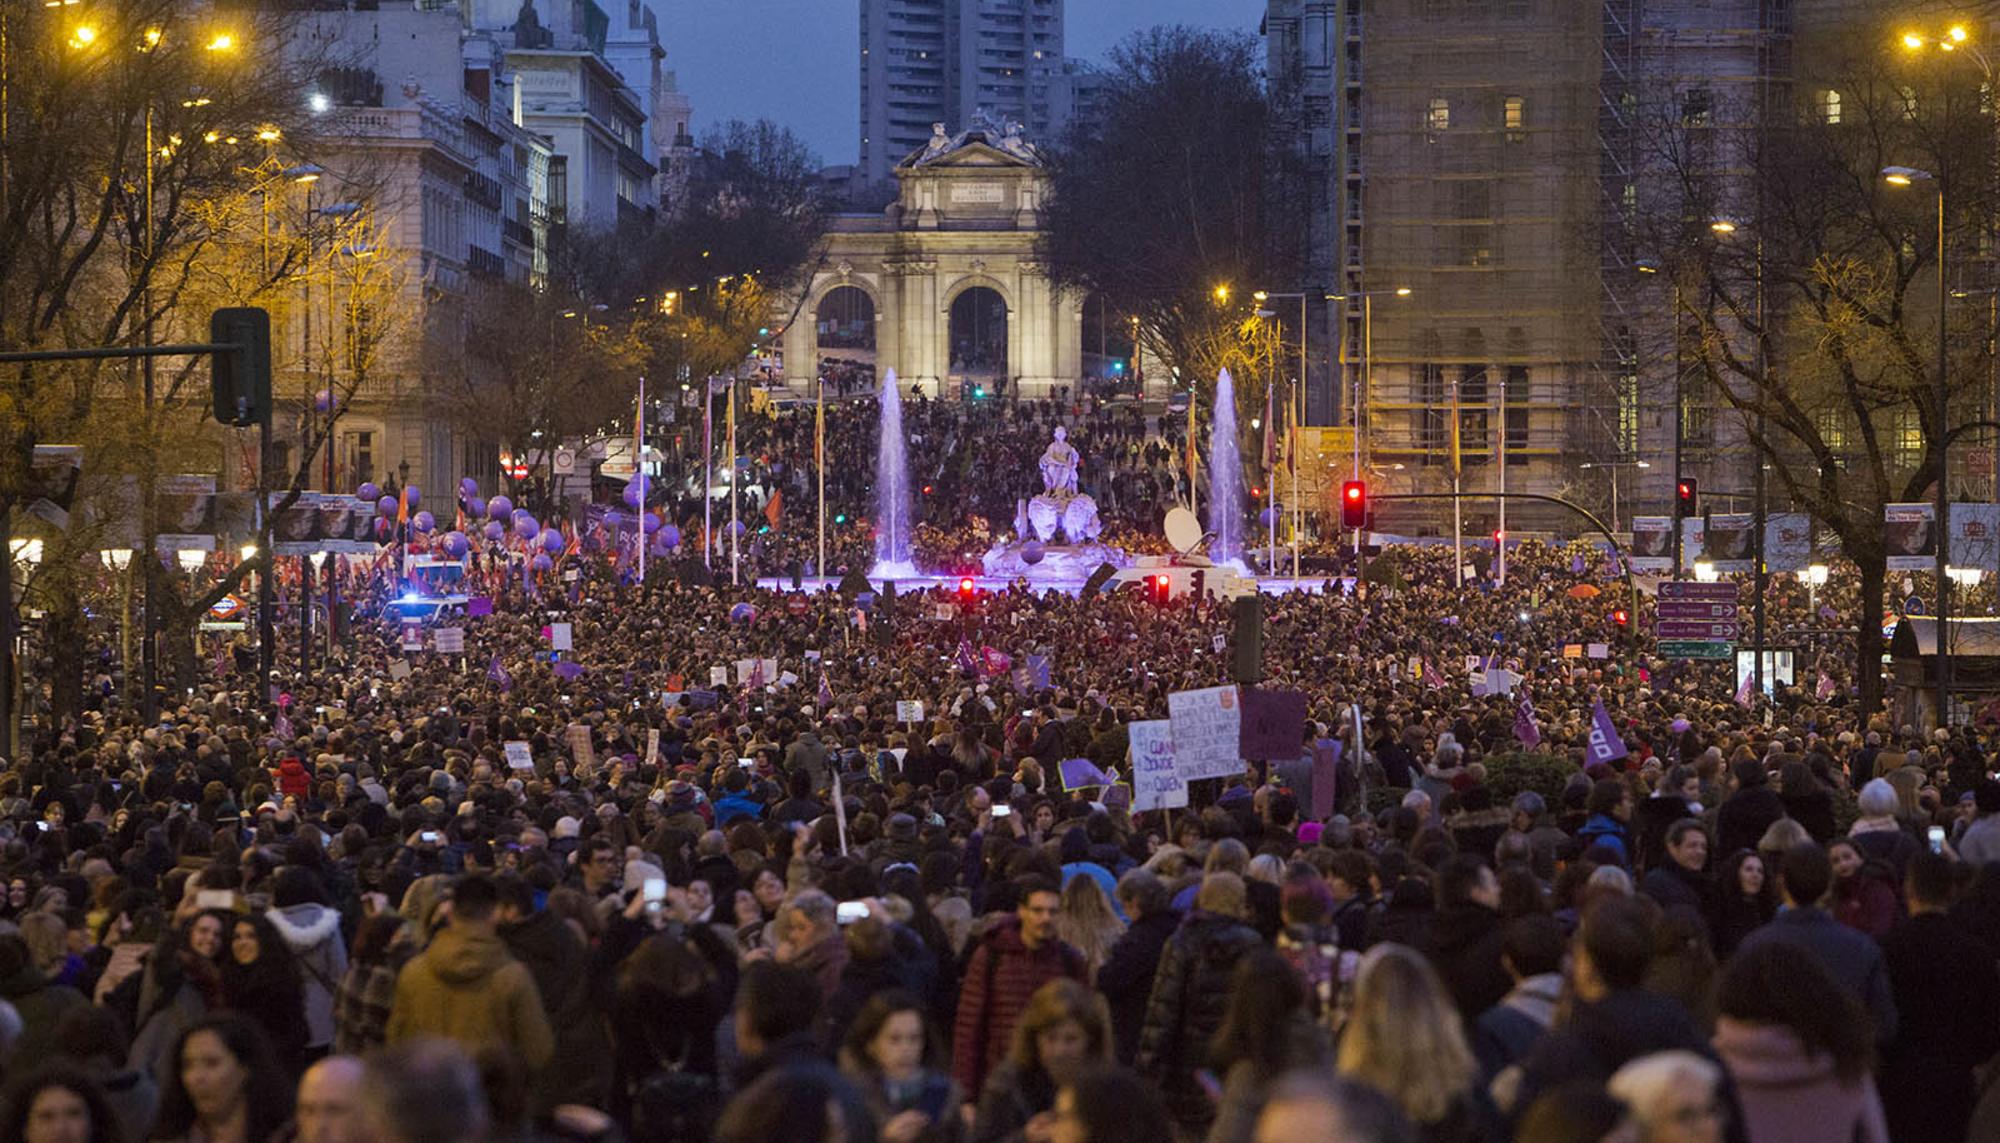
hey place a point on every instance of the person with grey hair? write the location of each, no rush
(1876, 833)
(1422, 804)
(1673, 1095)
(1546, 842)
(423, 1091)
(809, 938)
(1447, 763)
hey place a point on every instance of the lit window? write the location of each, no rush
(1829, 107)
(1516, 113)
(1440, 115)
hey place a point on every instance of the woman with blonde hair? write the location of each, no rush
(1405, 1038)
(1086, 922)
(1065, 1031)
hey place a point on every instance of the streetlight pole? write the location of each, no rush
(1941, 397)
(1363, 378)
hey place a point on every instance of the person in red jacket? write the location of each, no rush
(1017, 956)
(292, 778)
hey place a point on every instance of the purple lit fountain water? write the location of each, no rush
(892, 490)
(1225, 476)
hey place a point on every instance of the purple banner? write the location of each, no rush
(1524, 723)
(1274, 724)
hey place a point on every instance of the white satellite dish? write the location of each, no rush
(1183, 530)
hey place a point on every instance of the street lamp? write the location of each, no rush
(117, 559)
(1704, 571)
(1941, 396)
(1815, 577)
(1612, 466)
(191, 559)
(1725, 227)
(28, 551)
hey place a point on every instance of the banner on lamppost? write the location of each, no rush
(1731, 543)
(1652, 544)
(1910, 533)
(1975, 537)
(1787, 541)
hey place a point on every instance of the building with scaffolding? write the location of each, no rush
(1489, 157)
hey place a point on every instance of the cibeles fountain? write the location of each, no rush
(1055, 533)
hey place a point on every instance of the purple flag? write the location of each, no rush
(478, 605)
(569, 670)
(1824, 690)
(1743, 692)
(825, 691)
(967, 661)
(1606, 744)
(499, 674)
(1079, 773)
(1577, 565)
(1524, 723)
(1038, 669)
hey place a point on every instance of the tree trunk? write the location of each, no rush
(1871, 560)
(66, 641)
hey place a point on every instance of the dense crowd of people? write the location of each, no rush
(970, 464)
(696, 868)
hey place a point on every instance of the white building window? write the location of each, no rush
(1829, 107)
(1439, 116)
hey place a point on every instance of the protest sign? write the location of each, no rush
(909, 711)
(1273, 723)
(519, 756)
(1156, 780)
(652, 746)
(399, 669)
(580, 751)
(450, 640)
(1208, 731)
(559, 636)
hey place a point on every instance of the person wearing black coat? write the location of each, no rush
(1191, 996)
(1742, 820)
(1126, 977)
(1947, 989)
(1463, 941)
(1679, 880)
(560, 961)
(1807, 802)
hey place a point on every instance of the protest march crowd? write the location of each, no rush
(671, 861)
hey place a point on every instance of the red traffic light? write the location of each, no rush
(966, 586)
(1354, 504)
(1687, 495)
(1620, 617)
(1163, 588)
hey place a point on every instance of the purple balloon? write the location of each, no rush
(323, 400)
(475, 508)
(552, 542)
(456, 545)
(650, 522)
(424, 522)
(412, 494)
(1266, 516)
(543, 563)
(385, 507)
(368, 490)
(635, 492)
(668, 536)
(499, 507)
(495, 530)
(737, 528)
(743, 613)
(1032, 553)
(468, 487)
(526, 528)
(615, 518)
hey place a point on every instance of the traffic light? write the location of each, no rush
(1687, 497)
(1162, 589)
(1620, 617)
(240, 377)
(1198, 583)
(1354, 504)
(968, 588)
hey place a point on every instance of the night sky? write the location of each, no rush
(723, 50)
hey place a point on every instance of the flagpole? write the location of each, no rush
(707, 474)
(1457, 522)
(734, 545)
(819, 463)
(1271, 469)
(639, 453)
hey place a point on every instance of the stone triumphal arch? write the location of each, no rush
(955, 295)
